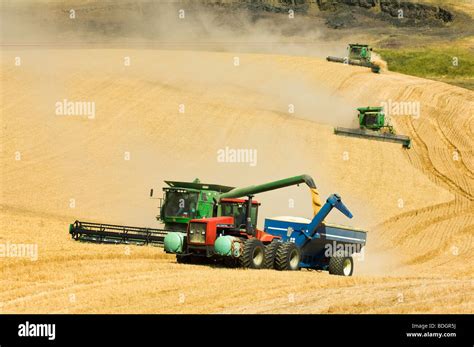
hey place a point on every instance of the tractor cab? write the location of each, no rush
(230, 218)
(237, 208)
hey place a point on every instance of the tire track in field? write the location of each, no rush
(466, 171)
(121, 277)
(74, 289)
(418, 220)
(430, 169)
(390, 289)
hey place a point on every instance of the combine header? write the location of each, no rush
(372, 125)
(359, 55)
(109, 233)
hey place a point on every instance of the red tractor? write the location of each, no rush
(286, 243)
(232, 234)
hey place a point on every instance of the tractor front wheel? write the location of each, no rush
(287, 257)
(341, 265)
(253, 254)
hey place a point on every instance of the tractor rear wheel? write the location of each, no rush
(253, 254)
(270, 253)
(287, 257)
(341, 265)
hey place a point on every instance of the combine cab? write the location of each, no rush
(183, 201)
(373, 125)
(359, 55)
(373, 118)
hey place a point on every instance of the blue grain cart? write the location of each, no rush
(314, 244)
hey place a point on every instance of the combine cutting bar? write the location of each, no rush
(109, 233)
(372, 66)
(363, 133)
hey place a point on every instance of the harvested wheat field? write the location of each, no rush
(164, 116)
(419, 253)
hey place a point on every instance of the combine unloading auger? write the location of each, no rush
(256, 189)
(261, 188)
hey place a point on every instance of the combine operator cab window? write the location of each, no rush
(237, 210)
(370, 119)
(180, 204)
(354, 52)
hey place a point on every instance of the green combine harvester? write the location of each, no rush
(181, 202)
(357, 54)
(372, 124)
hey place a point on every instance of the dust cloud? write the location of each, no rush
(192, 27)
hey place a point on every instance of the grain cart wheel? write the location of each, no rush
(341, 265)
(270, 253)
(287, 257)
(253, 254)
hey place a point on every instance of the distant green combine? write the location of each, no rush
(357, 54)
(372, 124)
